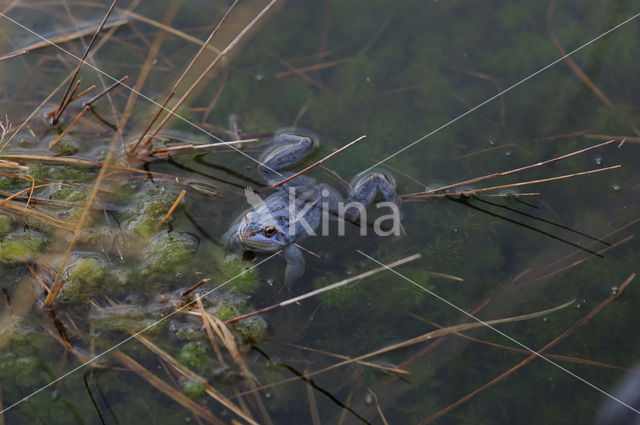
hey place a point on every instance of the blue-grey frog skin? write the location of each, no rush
(267, 226)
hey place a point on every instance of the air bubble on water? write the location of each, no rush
(509, 194)
(268, 395)
(459, 190)
(545, 319)
(464, 55)
(491, 142)
(271, 281)
(368, 79)
(259, 77)
(368, 399)
(615, 187)
(598, 160)
(456, 230)
(507, 153)
(614, 291)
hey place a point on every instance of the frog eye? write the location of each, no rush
(269, 231)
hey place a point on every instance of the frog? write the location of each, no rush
(273, 225)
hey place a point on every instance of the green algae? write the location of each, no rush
(84, 279)
(21, 245)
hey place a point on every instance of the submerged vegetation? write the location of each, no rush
(112, 211)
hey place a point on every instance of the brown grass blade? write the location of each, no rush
(173, 207)
(64, 102)
(517, 170)
(212, 392)
(555, 341)
(425, 337)
(222, 54)
(167, 389)
(61, 39)
(327, 288)
(315, 164)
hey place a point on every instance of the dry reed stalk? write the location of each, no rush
(578, 262)
(533, 356)
(516, 170)
(64, 225)
(189, 147)
(345, 409)
(67, 101)
(105, 91)
(568, 359)
(34, 112)
(78, 161)
(13, 165)
(425, 337)
(313, 406)
(571, 63)
(378, 408)
(560, 136)
(167, 389)
(327, 288)
(82, 93)
(63, 102)
(66, 130)
(311, 68)
(173, 207)
(221, 55)
(315, 164)
(61, 39)
(609, 137)
(29, 189)
(35, 275)
(227, 338)
(185, 371)
(390, 369)
(166, 28)
(196, 286)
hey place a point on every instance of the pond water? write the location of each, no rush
(444, 91)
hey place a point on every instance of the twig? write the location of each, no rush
(425, 337)
(196, 286)
(609, 137)
(327, 288)
(13, 55)
(107, 90)
(61, 39)
(505, 173)
(173, 207)
(311, 68)
(533, 356)
(315, 164)
(71, 124)
(165, 388)
(56, 117)
(574, 67)
(194, 147)
(375, 399)
(197, 82)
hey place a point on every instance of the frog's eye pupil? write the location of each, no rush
(269, 231)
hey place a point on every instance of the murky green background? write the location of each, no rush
(393, 71)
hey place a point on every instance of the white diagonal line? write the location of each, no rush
(503, 91)
(135, 91)
(133, 336)
(502, 333)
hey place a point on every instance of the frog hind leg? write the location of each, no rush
(295, 264)
(365, 188)
(283, 151)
